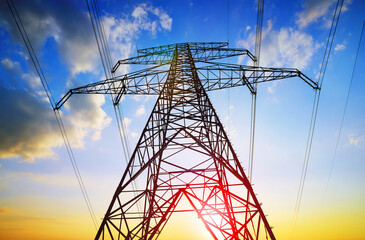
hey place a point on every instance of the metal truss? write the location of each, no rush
(199, 51)
(213, 75)
(184, 153)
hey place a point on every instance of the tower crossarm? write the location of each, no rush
(222, 75)
(162, 57)
(208, 54)
(144, 82)
(200, 52)
(214, 76)
(171, 47)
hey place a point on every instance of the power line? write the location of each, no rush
(105, 56)
(104, 52)
(258, 37)
(45, 85)
(31, 52)
(228, 90)
(345, 108)
(228, 22)
(75, 166)
(98, 38)
(260, 13)
(331, 36)
(104, 40)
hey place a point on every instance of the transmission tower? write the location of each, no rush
(184, 151)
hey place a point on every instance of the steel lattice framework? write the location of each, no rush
(184, 151)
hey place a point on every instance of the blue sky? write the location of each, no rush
(36, 178)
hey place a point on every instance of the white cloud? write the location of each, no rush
(315, 10)
(248, 28)
(140, 111)
(340, 47)
(346, 5)
(134, 134)
(355, 140)
(33, 81)
(127, 122)
(29, 129)
(143, 98)
(150, 18)
(233, 132)
(139, 12)
(272, 87)
(165, 19)
(7, 63)
(284, 47)
(81, 56)
(76, 42)
(121, 32)
(86, 116)
(13, 71)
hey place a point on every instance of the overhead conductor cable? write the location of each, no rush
(45, 85)
(331, 36)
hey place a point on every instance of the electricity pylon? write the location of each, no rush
(184, 151)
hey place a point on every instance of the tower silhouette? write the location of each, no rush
(184, 151)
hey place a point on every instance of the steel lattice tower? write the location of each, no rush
(184, 151)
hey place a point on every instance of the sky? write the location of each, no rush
(39, 194)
